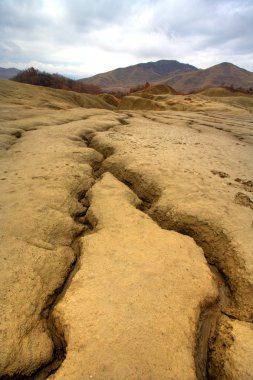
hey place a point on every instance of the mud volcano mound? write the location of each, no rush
(147, 99)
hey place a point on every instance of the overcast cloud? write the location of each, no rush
(85, 37)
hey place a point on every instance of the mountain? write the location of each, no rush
(182, 77)
(8, 73)
(223, 74)
(132, 76)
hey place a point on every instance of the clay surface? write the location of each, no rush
(126, 235)
(129, 293)
(232, 351)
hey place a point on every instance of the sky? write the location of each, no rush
(80, 38)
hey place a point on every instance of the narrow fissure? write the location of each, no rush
(55, 333)
(210, 313)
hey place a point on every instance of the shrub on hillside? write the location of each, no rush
(140, 87)
(41, 78)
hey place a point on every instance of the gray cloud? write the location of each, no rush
(85, 15)
(214, 21)
(93, 36)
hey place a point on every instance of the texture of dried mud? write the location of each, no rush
(98, 277)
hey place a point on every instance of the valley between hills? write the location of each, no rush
(126, 234)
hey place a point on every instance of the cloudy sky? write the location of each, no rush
(84, 37)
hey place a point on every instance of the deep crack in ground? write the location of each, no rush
(210, 313)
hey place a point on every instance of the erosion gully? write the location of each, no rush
(209, 315)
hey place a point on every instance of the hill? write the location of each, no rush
(27, 96)
(182, 77)
(223, 74)
(161, 98)
(41, 78)
(122, 79)
(223, 92)
(8, 73)
(158, 89)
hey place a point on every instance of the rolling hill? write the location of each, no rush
(182, 77)
(26, 96)
(132, 76)
(224, 74)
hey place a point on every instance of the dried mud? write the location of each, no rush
(171, 171)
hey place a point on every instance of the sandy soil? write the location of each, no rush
(126, 236)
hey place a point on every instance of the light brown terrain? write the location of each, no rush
(122, 79)
(126, 235)
(223, 74)
(184, 78)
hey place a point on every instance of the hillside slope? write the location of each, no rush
(182, 77)
(29, 96)
(131, 76)
(223, 74)
(161, 98)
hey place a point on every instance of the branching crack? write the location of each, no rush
(210, 312)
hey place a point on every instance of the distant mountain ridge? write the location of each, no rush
(224, 74)
(182, 77)
(8, 73)
(132, 76)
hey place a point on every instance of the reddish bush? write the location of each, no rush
(38, 78)
(140, 87)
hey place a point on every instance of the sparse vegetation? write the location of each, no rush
(38, 78)
(140, 87)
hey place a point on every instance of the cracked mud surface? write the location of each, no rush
(98, 277)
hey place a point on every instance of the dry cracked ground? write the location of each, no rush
(126, 238)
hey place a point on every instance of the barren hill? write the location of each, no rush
(224, 74)
(182, 77)
(131, 76)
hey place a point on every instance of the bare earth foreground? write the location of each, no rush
(126, 236)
